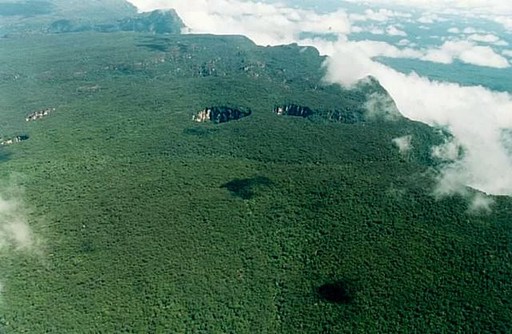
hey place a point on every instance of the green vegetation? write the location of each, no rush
(159, 22)
(153, 223)
(36, 16)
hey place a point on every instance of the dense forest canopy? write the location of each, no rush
(121, 212)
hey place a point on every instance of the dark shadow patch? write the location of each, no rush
(338, 292)
(246, 188)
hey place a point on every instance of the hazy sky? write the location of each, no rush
(353, 34)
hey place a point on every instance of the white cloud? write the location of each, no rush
(357, 29)
(394, 31)
(507, 53)
(454, 30)
(376, 31)
(505, 21)
(450, 151)
(497, 7)
(501, 43)
(404, 42)
(391, 30)
(429, 18)
(487, 38)
(483, 56)
(404, 144)
(370, 49)
(470, 30)
(381, 106)
(466, 52)
(481, 204)
(380, 15)
(14, 229)
(16, 234)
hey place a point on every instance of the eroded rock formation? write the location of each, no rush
(13, 140)
(293, 110)
(39, 114)
(375, 107)
(220, 114)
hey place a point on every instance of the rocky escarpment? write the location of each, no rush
(336, 115)
(220, 114)
(293, 110)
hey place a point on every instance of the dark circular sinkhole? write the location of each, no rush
(337, 292)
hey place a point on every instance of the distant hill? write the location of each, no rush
(91, 9)
(35, 16)
(157, 22)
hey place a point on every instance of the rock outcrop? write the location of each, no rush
(39, 114)
(373, 107)
(13, 140)
(293, 110)
(220, 114)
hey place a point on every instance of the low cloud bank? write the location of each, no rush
(475, 116)
(467, 52)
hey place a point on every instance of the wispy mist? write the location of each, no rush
(15, 232)
(481, 204)
(17, 237)
(404, 144)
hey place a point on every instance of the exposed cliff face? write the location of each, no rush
(293, 110)
(220, 114)
(13, 140)
(336, 115)
(39, 114)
